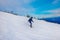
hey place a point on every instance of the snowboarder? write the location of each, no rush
(30, 21)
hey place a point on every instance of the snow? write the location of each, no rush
(13, 27)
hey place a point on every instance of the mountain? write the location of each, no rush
(13, 27)
(53, 19)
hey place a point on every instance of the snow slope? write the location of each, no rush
(14, 27)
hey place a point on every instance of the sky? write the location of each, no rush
(35, 8)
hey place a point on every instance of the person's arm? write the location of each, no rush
(32, 21)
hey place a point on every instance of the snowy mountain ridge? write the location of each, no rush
(14, 27)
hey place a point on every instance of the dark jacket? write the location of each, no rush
(30, 20)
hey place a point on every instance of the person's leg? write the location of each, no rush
(31, 25)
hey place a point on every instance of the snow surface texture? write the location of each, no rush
(14, 27)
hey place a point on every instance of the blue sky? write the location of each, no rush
(37, 8)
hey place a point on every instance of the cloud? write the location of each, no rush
(53, 13)
(15, 3)
(49, 15)
(55, 1)
(21, 7)
(25, 11)
(28, 1)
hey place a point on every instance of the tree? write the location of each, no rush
(28, 16)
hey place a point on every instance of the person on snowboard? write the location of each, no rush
(30, 21)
